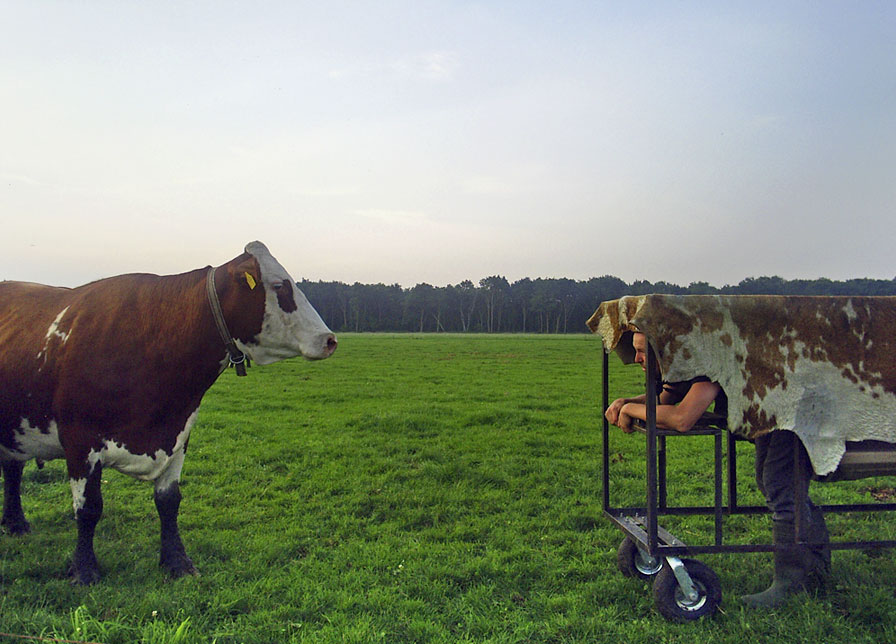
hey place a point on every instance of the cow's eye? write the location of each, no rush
(285, 297)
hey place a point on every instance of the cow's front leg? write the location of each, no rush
(173, 555)
(13, 516)
(88, 502)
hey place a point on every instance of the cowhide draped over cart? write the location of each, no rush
(824, 367)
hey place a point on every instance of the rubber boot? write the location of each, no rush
(791, 568)
(819, 553)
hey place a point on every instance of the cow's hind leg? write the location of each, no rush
(88, 501)
(13, 515)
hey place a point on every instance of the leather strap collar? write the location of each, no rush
(238, 359)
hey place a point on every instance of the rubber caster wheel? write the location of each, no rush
(633, 562)
(674, 605)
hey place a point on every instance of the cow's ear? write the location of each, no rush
(247, 274)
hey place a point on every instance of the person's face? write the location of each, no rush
(639, 342)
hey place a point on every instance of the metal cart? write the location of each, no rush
(683, 587)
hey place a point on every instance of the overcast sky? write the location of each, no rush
(417, 141)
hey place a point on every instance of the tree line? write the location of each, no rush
(527, 305)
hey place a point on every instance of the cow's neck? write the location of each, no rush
(237, 358)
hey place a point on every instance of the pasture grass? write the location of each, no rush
(415, 488)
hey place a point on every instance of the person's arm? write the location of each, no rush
(680, 417)
(612, 413)
(666, 397)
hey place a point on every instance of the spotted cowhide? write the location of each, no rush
(821, 366)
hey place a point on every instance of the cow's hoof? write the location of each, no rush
(176, 573)
(83, 575)
(16, 526)
(188, 570)
(181, 567)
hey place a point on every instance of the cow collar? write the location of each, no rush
(238, 359)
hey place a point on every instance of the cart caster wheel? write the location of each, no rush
(633, 562)
(674, 605)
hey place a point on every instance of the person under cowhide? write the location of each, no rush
(798, 372)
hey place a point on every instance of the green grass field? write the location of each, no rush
(415, 489)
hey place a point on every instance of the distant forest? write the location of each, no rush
(527, 305)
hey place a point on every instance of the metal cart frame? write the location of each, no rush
(685, 589)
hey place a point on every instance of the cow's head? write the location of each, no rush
(277, 320)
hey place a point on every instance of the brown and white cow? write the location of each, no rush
(822, 367)
(111, 374)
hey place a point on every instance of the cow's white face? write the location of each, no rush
(291, 326)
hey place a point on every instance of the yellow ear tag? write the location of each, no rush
(250, 280)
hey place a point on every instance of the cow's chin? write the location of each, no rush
(265, 356)
(269, 355)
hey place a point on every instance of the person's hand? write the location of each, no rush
(612, 413)
(625, 423)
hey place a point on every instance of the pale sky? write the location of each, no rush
(437, 141)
